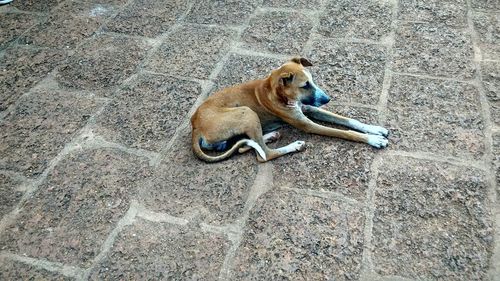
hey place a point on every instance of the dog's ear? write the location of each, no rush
(286, 78)
(302, 61)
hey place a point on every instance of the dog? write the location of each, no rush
(247, 111)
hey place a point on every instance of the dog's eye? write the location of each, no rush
(306, 86)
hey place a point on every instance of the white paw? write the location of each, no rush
(272, 136)
(298, 146)
(377, 141)
(376, 130)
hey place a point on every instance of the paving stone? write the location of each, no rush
(328, 164)
(294, 4)
(21, 68)
(147, 250)
(486, 4)
(191, 51)
(222, 12)
(101, 63)
(348, 72)
(13, 25)
(146, 113)
(356, 18)
(76, 207)
(446, 12)
(39, 127)
(278, 32)
(433, 50)
(496, 159)
(242, 68)
(13, 270)
(186, 187)
(487, 26)
(10, 193)
(36, 6)
(68, 25)
(147, 17)
(431, 221)
(295, 237)
(491, 80)
(435, 116)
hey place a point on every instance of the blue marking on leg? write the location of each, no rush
(218, 146)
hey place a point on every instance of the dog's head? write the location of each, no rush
(294, 83)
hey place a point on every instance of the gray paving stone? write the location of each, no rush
(446, 12)
(435, 116)
(356, 18)
(278, 32)
(186, 187)
(295, 237)
(36, 6)
(147, 17)
(76, 207)
(486, 4)
(496, 159)
(294, 4)
(432, 50)
(222, 12)
(432, 221)
(13, 25)
(68, 25)
(39, 127)
(21, 68)
(146, 113)
(487, 26)
(348, 72)
(328, 164)
(490, 71)
(147, 250)
(191, 51)
(13, 270)
(10, 193)
(102, 62)
(242, 68)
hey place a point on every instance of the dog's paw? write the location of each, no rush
(376, 130)
(298, 146)
(271, 137)
(377, 141)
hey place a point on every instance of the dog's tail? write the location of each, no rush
(203, 156)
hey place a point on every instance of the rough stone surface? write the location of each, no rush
(435, 116)
(278, 32)
(76, 207)
(221, 12)
(13, 270)
(191, 51)
(36, 6)
(10, 193)
(187, 187)
(433, 50)
(294, 4)
(147, 250)
(348, 72)
(103, 62)
(39, 127)
(13, 25)
(491, 81)
(147, 17)
(292, 236)
(446, 12)
(486, 4)
(359, 19)
(487, 26)
(147, 112)
(496, 158)
(431, 221)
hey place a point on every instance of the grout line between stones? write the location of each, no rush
(478, 164)
(433, 77)
(326, 194)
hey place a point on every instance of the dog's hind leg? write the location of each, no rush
(268, 138)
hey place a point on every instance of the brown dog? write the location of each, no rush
(288, 95)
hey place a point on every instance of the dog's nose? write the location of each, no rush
(323, 98)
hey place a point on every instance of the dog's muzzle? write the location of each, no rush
(318, 98)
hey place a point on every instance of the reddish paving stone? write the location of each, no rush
(13, 25)
(191, 51)
(448, 12)
(348, 72)
(436, 116)
(295, 237)
(14, 270)
(294, 4)
(102, 62)
(366, 19)
(21, 68)
(221, 12)
(328, 164)
(433, 50)
(10, 193)
(77, 206)
(146, 113)
(491, 80)
(278, 32)
(148, 250)
(487, 26)
(185, 186)
(39, 127)
(68, 25)
(147, 17)
(35, 5)
(431, 221)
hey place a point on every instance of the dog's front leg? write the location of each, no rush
(327, 116)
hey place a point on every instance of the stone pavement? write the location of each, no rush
(97, 179)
